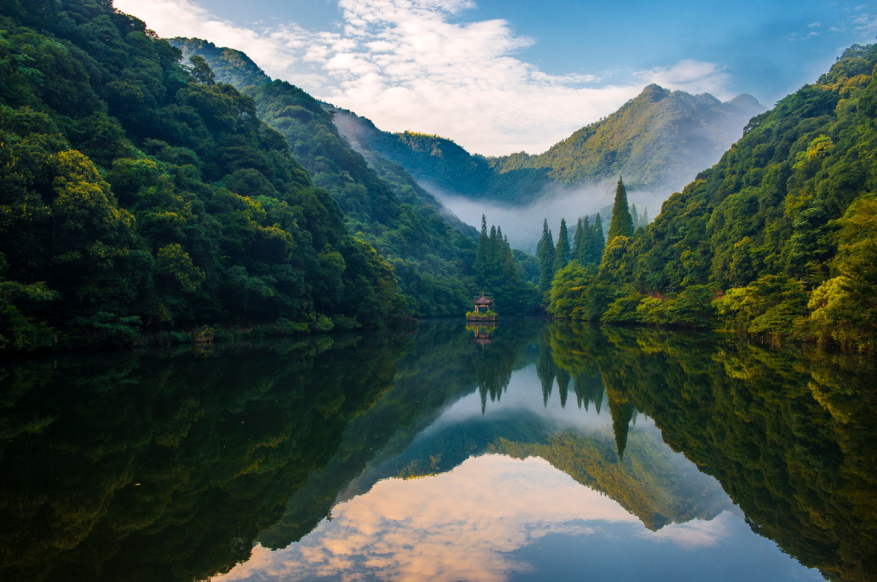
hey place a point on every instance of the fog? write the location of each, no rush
(523, 224)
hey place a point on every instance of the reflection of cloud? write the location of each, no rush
(459, 525)
(412, 64)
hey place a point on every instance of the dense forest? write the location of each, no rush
(381, 203)
(779, 238)
(142, 196)
(139, 195)
(658, 139)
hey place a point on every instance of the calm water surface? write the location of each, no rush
(529, 451)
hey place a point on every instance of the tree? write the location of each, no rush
(597, 242)
(622, 223)
(545, 254)
(201, 71)
(578, 240)
(562, 250)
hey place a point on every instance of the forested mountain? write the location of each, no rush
(658, 140)
(382, 204)
(139, 195)
(229, 65)
(779, 237)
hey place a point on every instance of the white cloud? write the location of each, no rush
(410, 64)
(690, 76)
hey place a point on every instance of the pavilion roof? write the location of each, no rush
(483, 300)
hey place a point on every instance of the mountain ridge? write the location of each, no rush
(656, 140)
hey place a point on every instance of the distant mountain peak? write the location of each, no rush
(746, 101)
(654, 92)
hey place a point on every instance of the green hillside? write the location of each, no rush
(778, 238)
(141, 196)
(432, 255)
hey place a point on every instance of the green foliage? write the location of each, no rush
(142, 197)
(562, 252)
(622, 223)
(772, 304)
(545, 254)
(499, 275)
(228, 65)
(844, 307)
(784, 223)
(381, 204)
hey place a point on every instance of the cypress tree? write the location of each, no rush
(599, 241)
(622, 224)
(584, 241)
(545, 253)
(578, 241)
(644, 222)
(634, 217)
(481, 250)
(561, 251)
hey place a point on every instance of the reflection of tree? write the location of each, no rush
(439, 366)
(147, 467)
(545, 368)
(789, 433)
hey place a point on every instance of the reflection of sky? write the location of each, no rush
(494, 518)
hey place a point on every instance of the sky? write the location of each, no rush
(501, 76)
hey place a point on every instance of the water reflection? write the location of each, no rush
(431, 456)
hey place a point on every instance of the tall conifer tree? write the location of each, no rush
(561, 251)
(622, 224)
(545, 254)
(578, 241)
(597, 242)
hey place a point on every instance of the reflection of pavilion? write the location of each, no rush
(483, 332)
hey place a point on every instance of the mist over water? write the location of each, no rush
(523, 224)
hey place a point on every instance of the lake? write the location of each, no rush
(530, 450)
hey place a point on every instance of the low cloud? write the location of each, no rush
(523, 224)
(690, 76)
(411, 64)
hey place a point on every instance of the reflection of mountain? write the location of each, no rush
(789, 434)
(166, 466)
(651, 482)
(148, 467)
(441, 365)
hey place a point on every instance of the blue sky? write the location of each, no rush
(508, 75)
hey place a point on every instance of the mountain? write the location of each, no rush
(430, 249)
(778, 238)
(659, 140)
(139, 195)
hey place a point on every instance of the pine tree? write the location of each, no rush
(578, 241)
(561, 251)
(481, 249)
(545, 254)
(644, 221)
(597, 242)
(634, 217)
(622, 224)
